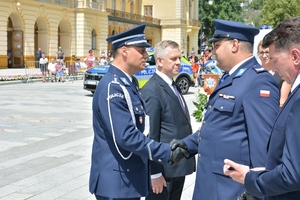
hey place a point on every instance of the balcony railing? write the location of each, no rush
(133, 17)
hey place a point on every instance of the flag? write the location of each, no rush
(264, 93)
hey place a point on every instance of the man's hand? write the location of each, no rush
(158, 184)
(178, 151)
(236, 171)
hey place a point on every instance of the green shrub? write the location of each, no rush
(200, 105)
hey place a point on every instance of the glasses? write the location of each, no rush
(261, 53)
(216, 46)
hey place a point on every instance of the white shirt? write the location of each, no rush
(238, 65)
(43, 60)
(296, 83)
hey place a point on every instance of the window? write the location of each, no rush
(94, 36)
(148, 10)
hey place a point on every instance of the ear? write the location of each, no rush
(159, 62)
(295, 53)
(235, 45)
(124, 51)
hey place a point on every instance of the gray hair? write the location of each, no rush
(160, 48)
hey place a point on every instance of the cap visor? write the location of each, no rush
(143, 44)
(214, 39)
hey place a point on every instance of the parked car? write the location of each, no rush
(184, 79)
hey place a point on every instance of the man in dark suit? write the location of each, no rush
(38, 56)
(280, 179)
(120, 153)
(169, 119)
(238, 116)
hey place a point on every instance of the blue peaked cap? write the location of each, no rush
(131, 37)
(233, 30)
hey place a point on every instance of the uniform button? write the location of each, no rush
(136, 109)
(128, 170)
(159, 160)
(142, 108)
(221, 107)
(204, 122)
(199, 138)
(209, 106)
(199, 155)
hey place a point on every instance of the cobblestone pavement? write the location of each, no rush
(46, 138)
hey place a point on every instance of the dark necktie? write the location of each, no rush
(225, 75)
(178, 96)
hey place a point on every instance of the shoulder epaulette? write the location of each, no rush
(124, 81)
(259, 68)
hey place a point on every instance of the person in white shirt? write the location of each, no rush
(51, 69)
(43, 66)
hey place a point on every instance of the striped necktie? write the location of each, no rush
(179, 97)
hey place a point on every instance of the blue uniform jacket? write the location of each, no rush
(281, 179)
(114, 171)
(236, 125)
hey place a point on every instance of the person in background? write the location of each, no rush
(279, 179)
(97, 61)
(121, 152)
(38, 56)
(89, 59)
(52, 69)
(60, 70)
(43, 66)
(103, 60)
(195, 65)
(109, 57)
(284, 87)
(205, 57)
(169, 119)
(238, 116)
(60, 55)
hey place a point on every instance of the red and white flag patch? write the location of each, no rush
(264, 93)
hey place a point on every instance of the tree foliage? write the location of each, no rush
(256, 4)
(274, 12)
(220, 9)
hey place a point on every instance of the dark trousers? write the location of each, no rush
(107, 198)
(171, 192)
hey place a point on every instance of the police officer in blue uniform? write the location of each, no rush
(280, 180)
(238, 116)
(121, 151)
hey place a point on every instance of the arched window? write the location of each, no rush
(94, 42)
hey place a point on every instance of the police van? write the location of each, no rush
(184, 79)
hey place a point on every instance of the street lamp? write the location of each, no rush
(210, 2)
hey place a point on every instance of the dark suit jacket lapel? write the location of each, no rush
(171, 93)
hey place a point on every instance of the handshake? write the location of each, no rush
(179, 151)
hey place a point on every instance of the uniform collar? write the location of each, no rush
(238, 65)
(129, 77)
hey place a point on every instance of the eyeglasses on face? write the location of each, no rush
(216, 45)
(261, 53)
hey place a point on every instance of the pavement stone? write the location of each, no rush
(45, 149)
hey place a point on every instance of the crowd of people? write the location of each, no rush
(57, 67)
(247, 136)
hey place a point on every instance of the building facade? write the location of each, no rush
(80, 25)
